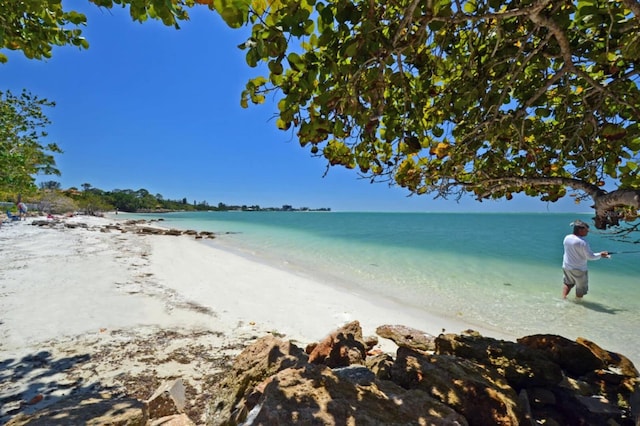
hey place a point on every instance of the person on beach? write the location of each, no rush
(22, 210)
(574, 261)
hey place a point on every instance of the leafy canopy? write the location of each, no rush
(35, 26)
(489, 97)
(22, 155)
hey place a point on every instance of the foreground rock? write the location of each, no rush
(465, 379)
(451, 379)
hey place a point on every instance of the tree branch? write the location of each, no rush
(407, 19)
(501, 184)
(565, 50)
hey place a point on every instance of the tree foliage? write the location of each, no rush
(22, 154)
(35, 26)
(93, 200)
(488, 97)
(50, 185)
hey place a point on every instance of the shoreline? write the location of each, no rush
(93, 308)
(247, 273)
(88, 308)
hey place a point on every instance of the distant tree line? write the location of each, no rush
(52, 198)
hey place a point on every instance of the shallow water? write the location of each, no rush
(497, 271)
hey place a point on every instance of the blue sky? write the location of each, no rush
(150, 107)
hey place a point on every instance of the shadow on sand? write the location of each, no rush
(599, 307)
(36, 384)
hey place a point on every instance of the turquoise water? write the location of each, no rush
(498, 271)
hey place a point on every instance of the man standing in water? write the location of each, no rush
(574, 261)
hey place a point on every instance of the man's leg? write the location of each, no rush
(565, 290)
(582, 285)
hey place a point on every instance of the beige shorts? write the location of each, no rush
(577, 278)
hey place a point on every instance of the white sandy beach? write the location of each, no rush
(83, 308)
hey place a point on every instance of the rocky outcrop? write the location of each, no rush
(140, 227)
(522, 366)
(451, 379)
(273, 382)
(464, 379)
(245, 381)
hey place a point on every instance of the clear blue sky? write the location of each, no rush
(151, 107)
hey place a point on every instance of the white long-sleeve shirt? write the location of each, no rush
(576, 253)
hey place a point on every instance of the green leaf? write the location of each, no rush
(282, 125)
(244, 99)
(275, 67)
(634, 145)
(543, 112)
(351, 48)
(233, 17)
(76, 18)
(234, 12)
(470, 6)
(252, 58)
(295, 62)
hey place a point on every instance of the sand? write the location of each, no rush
(84, 310)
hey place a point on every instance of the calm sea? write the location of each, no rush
(498, 271)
